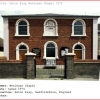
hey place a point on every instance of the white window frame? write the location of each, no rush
(56, 50)
(17, 49)
(83, 49)
(56, 27)
(16, 27)
(84, 27)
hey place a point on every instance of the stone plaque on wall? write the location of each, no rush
(37, 51)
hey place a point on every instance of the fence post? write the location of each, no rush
(69, 65)
(30, 65)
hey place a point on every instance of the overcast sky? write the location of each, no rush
(70, 7)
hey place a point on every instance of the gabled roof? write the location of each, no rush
(51, 15)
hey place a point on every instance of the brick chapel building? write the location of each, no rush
(50, 36)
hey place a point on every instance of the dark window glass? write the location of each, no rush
(51, 45)
(50, 50)
(78, 23)
(1, 48)
(22, 23)
(22, 30)
(78, 47)
(78, 28)
(22, 47)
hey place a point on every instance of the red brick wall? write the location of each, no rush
(36, 39)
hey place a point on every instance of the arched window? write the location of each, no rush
(22, 28)
(21, 49)
(50, 50)
(78, 28)
(50, 28)
(79, 50)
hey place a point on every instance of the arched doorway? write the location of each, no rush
(22, 51)
(79, 49)
(78, 52)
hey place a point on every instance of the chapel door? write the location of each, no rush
(22, 54)
(78, 54)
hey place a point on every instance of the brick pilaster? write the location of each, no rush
(31, 70)
(69, 66)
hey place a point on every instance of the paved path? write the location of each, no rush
(75, 79)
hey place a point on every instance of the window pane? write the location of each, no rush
(78, 47)
(78, 23)
(22, 30)
(50, 45)
(22, 23)
(78, 30)
(1, 48)
(22, 47)
(50, 52)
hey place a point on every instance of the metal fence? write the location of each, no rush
(57, 71)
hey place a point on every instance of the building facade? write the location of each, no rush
(50, 36)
